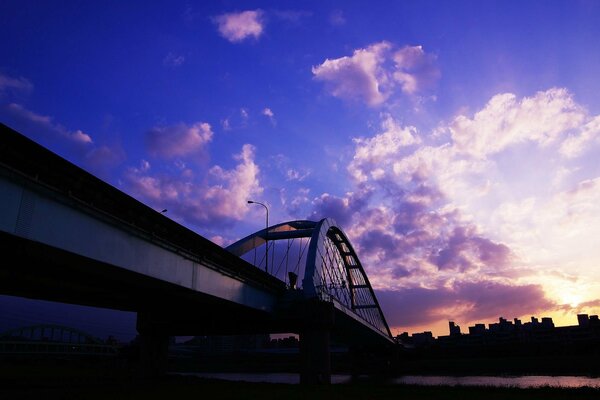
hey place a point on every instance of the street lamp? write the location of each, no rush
(266, 234)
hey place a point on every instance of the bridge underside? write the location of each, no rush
(43, 272)
(39, 271)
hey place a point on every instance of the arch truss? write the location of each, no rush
(331, 269)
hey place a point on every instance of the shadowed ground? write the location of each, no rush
(31, 381)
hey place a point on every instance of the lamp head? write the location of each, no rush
(250, 202)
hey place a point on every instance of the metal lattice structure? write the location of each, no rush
(49, 339)
(331, 272)
(50, 333)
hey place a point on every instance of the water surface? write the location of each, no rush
(528, 381)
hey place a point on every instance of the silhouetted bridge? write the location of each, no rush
(76, 239)
(51, 339)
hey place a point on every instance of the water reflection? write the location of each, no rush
(290, 378)
(530, 381)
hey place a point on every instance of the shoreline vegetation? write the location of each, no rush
(59, 379)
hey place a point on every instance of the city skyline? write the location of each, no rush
(456, 144)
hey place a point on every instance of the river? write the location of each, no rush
(527, 381)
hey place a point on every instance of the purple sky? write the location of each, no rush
(457, 143)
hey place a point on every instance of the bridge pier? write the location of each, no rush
(154, 346)
(314, 343)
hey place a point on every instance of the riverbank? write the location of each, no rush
(93, 383)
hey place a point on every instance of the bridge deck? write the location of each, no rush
(67, 236)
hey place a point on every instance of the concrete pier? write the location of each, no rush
(315, 343)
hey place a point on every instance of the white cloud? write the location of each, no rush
(513, 168)
(236, 27)
(178, 140)
(576, 143)
(373, 154)
(46, 124)
(372, 74)
(9, 83)
(81, 137)
(415, 69)
(506, 121)
(218, 198)
(297, 175)
(267, 112)
(359, 76)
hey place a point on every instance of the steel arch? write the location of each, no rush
(333, 271)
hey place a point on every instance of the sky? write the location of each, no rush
(456, 143)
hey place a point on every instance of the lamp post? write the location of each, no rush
(266, 234)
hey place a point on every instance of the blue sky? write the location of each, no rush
(455, 142)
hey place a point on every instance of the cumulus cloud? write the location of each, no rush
(372, 74)
(239, 26)
(178, 140)
(575, 144)
(20, 84)
(468, 214)
(505, 121)
(414, 69)
(341, 209)
(360, 76)
(372, 152)
(217, 199)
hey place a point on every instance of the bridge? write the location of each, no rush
(52, 339)
(70, 237)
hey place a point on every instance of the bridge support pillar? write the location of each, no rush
(314, 343)
(154, 345)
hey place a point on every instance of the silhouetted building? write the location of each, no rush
(420, 339)
(511, 337)
(518, 323)
(547, 323)
(477, 329)
(454, 329)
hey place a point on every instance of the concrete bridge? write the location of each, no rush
(67, 236)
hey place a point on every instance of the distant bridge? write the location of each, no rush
(50, 339)
(76, 239)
